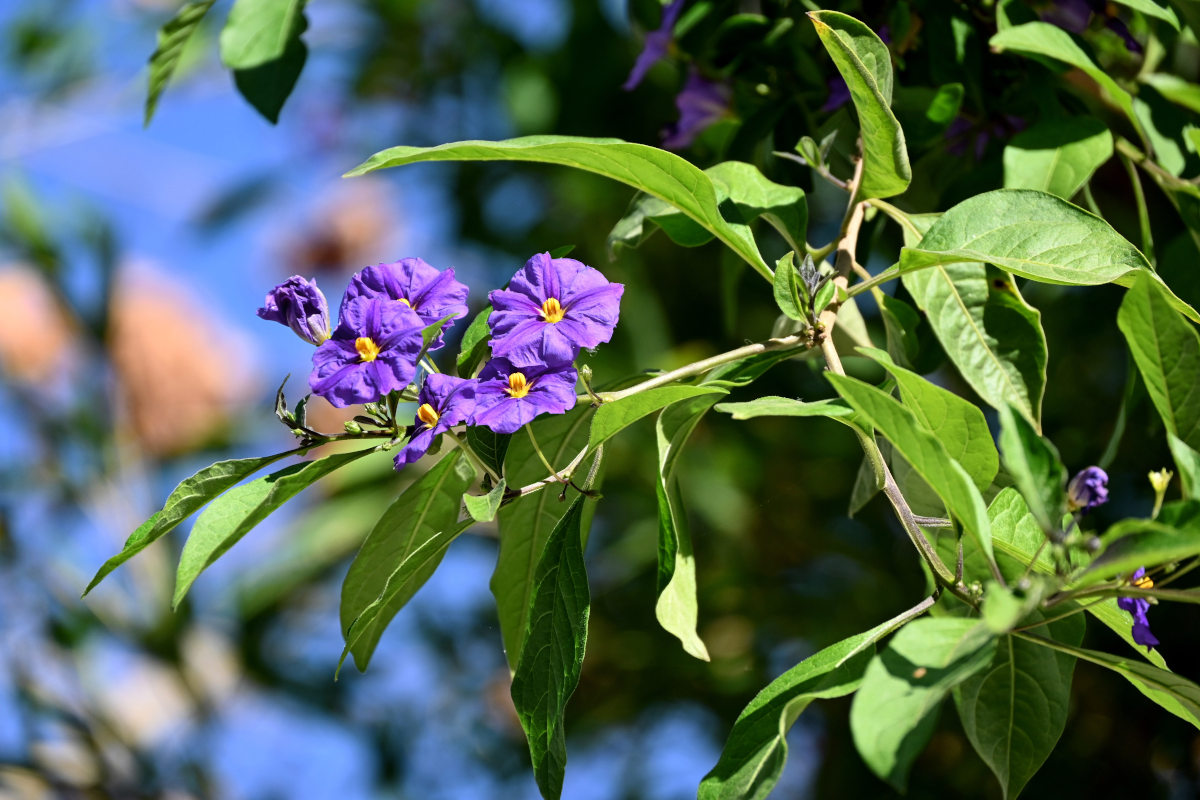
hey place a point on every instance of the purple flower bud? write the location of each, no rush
(1088, 489)
(551, 309)
(1137, 607)
(444, 401)
(299, 304)
(373, 351)
(508, 396)
(658, 42)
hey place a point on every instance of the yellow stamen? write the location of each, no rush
(1144, 582)
(517, 385)
(366, 347)
(405, 301)
(552, 311)
(427, 414)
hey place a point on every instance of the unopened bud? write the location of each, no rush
(352, 427)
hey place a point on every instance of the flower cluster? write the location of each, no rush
(552, 309)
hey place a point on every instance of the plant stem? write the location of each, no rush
(794, 342)
(1143, 213)
(542, 456)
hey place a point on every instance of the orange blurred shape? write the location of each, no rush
(181, 372)
(355, 225)
(38, 337)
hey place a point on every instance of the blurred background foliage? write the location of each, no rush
(131, 261)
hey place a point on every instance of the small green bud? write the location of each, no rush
(352, 427)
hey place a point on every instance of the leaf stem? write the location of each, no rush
(542, 456)
(1143, 213)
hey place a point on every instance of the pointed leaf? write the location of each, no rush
(893, 713)
(185, 499)
(771, 406)
(1166, 350)
(866, 65)
(525, 523)
(1035, 468)
(656, 172)
(172, 39)
(235, 513)
(1187, 462)
(474, 348)
(552, 653)
(491, 447)
(267, 86)
(1015, 710)
(676, 609)
(259, 31)
(755, 753)
(394, 562)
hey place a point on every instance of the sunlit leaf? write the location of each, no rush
(172, 39)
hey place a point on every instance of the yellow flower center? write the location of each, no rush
(405, 301)
(552, 311)
(366, 347)
(1144, 582)
(517, 385)
(427, 415)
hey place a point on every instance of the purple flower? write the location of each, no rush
(1076, 15)
(701, 103)
(839, 94)
(444, 401)
(658, 42)
(433, 294)
(552, 308)
(373, 351)
(1088, 489)
(1138, 606)
(299, 304)
(507, 396)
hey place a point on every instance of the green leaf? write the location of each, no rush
(1031, 234)
(232, 515)
(260, 31)
(1018, 539)
(491, 447)
(1174, 693)
(925, 112)
(552, 655)
(676, 609)
(789, 289)
(1187, 462)
(755, 753)
(1044, 39)
(267, 86)
(1057, 156)
(184, 500)
(483, 508)
(923, 450)
(613, 417)
(866, 65)
(892, 715)
(959, 424)
(1153, 8)
(525, 523)
(172, 39)
(783, 207)
(988, 331)
(1176, 89)
(772, 406)
(656, 172)
(1166, 350)
(902, 326)
(1015, 710)
(1133, 543)
(474, 350)
(1035, 468)
(400, 553)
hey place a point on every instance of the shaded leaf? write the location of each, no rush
(491, 447)
(1187, 462)
(1057, 156)
(267, 86)
(1035, 468)
(394, 561)
(552, 654)
(483, 508)
(172, 39)
(474, 349)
